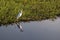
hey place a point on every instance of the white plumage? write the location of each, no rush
(19, 14)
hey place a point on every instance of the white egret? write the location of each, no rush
(19, 14)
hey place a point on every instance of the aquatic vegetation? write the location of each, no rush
(32, 10)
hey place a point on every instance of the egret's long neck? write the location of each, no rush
(21, 11)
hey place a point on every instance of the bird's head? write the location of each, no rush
(21, 11)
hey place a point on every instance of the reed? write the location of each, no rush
(32, 10)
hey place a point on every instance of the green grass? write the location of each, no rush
(32, 10)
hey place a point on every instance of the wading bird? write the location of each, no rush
(18, 16)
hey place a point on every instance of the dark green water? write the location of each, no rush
(34, 30)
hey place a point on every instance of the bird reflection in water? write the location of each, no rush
(20, 27)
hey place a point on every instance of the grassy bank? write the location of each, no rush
(32, 10)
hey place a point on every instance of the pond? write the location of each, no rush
(33, 30)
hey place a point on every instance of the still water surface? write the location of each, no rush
(34, 30)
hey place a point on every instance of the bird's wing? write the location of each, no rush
(18, 15)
